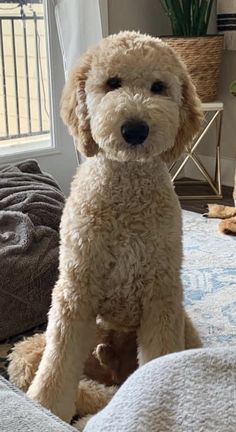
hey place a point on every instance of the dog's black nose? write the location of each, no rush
(135, 132)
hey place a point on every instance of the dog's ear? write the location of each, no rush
(191, 117)
(74, 111)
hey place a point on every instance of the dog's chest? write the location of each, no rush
(130, 251)
(137, 239)
(127, 226)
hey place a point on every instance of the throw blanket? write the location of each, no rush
(226, 22)
(21, 414)
(191, 391)
(31, 204)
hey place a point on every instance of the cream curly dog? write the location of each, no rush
(132, 107)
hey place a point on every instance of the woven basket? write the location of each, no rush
(202, 56)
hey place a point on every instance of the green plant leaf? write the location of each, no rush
(188, 17)
(186, 5)
(176, 16)
(209, 14)
(202, 18)
(232, 88)
(195, 15)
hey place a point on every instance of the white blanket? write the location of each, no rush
(192, 391)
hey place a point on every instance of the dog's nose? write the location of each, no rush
(135, 132)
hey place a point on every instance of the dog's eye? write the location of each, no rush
(158, 87)
(113, 83)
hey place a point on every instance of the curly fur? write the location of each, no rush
(121, 252)
(112, 360)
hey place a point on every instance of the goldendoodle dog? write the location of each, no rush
(132, 107)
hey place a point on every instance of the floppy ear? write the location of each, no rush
(74, 111)
(191, 117)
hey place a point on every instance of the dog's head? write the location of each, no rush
(131, 98)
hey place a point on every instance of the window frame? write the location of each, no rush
(59, 137)
(56, 80)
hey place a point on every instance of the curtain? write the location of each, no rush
(79, 25)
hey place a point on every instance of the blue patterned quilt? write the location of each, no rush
(209, 278)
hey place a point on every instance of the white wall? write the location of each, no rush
(228, 74)
(144, 15)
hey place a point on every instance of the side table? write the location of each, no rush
(213, 115)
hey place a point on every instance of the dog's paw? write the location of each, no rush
(101, 351)
(81, 423)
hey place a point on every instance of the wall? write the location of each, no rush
(228, 74)
(144, 15)
(148, 16)
(228, 140)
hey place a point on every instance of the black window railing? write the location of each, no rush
(26, 114)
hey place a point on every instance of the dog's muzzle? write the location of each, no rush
(135, 132)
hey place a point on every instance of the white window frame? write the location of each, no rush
(61, 159)
(58, 135)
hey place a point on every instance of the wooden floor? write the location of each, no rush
(200, 205)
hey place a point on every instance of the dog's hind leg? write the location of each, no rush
(70, 335)
(24, 360)
(81, 423)
(92, 397)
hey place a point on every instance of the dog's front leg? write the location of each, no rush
(162, 329)
(69, 337)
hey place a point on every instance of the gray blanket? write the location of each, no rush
(20, 414)
(191, 391)
(31, 205)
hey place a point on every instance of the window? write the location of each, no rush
(30, 124)
(24, 83)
